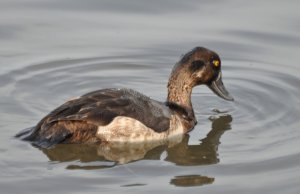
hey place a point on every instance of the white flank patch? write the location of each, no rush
(126, 129)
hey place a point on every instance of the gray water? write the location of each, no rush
(51, 51)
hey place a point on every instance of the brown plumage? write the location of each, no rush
(108, 114)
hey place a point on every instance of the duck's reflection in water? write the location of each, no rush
(178, 151)
(204, 153)
(191, 180)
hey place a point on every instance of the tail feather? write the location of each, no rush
(30, 134)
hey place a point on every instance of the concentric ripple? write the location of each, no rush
(266, 98)
(257, 133)
(266, 112)
(263, 118)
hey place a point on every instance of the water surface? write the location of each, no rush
(52, 51)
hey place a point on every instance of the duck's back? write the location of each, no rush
(78, 120)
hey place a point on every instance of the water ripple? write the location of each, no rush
(265, 113)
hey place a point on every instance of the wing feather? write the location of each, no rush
(76, 117)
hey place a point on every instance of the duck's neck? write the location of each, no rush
(180, 91)
(179, 97)
(179, 100)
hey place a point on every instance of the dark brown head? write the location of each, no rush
(201, 66)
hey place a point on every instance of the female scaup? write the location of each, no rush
(125, 115)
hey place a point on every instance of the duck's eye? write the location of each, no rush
(216, 63)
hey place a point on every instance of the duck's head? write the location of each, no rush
(200, 66)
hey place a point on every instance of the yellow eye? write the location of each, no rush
(216, 63)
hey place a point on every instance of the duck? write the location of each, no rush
(124, 115)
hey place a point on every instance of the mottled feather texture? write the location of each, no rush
(77, 120)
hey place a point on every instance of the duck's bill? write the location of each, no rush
(218, 88)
